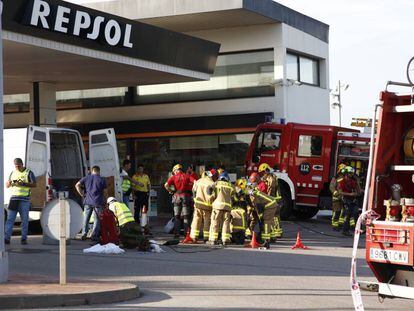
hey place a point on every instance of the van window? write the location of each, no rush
(99, 138)
(65, 155)
(268, 141)
(40, 136)
(309, 146)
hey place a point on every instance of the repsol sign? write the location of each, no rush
(67, 20)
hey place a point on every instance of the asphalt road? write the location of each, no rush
(231, 278)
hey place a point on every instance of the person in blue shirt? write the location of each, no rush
(92, 188)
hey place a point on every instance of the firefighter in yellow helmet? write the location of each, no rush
(337, 205)
(272, 184)
(265, 205)
(221, 215)
(238, 212)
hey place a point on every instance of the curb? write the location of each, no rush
(65, 300)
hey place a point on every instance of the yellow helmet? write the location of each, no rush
(220, 171)
(263, 167)
(341, 167)
(241, 183)
(177, 167)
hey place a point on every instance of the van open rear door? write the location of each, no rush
(103, 152)
(37, 155)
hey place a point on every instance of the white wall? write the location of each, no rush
(307, 104)
(296, 103)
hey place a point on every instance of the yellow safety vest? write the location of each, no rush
(122, 213)
(126, 185)
(20, 191)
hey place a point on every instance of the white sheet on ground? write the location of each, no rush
(155, 248)
(109, 248)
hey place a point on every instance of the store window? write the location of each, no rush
(158, 155)
(16, 103)
(237, 75)
(309, 146)
(303, 69)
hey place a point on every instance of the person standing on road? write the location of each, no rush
(221, 215)
(272, 184)
(337, 204)
(265, 205)
(91, 188)
(20, 182)
(178, 185)
(203, 199)
(127, 181)
(349, 190)
(142, 190)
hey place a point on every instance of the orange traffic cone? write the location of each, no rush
(299, 243)
(253, 243)
(188, 239)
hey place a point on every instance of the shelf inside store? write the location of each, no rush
(404, 108)
(402, 168)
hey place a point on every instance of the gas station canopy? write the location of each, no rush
(77, 48)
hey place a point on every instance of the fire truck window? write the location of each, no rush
(269, 141)
(309, 146)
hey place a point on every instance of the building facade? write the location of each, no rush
(273, 66)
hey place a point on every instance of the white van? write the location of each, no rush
(57, 158)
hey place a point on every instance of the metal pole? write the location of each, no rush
(4, 264)
(62, 242)
(339, 102)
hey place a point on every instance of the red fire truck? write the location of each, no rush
(305, 158)
(390, 235)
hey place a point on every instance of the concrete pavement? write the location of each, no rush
(232, 278)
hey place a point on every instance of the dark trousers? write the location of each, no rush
(350, 211)
(140, 204)
(131, 236)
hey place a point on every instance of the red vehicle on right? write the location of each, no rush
(390, 234)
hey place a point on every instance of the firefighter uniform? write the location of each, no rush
(221, 214)
(337, 206)
(273, 190)
(349, 184)
(130, 231)
(267, 207)
(203, 199)
(238, 216)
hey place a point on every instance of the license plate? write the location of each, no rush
(385, 255)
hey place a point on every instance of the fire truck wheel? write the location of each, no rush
(287, 204)
(305, 212)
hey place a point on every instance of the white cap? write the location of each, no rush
(110, 200)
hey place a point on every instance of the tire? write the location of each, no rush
(305, 212)
(287, 203)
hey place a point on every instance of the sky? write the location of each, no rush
(371, 42)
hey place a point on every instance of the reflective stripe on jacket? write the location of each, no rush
(122, 213)
(224, 192)
(259, 198)
(20, 191)
(203, 193)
